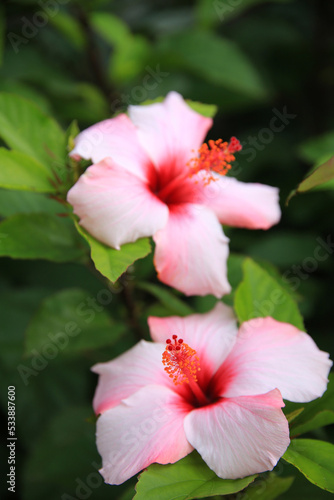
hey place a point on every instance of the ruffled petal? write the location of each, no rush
(191, 252)
(143, 429)
(271, 354)
(241, 204)
(212, 335)
(139, 366)
(115, 138)
(170, 131)
(115, 206)
(240, 436)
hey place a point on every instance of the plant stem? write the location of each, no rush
(93, 56)
(131, 307)
(126, 295)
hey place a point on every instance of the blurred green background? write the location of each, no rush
(87, 60)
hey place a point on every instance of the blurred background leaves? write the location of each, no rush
(87, 60)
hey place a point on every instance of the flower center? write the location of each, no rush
(171, 184)
(182, 365)
(181, 361)
(216, 156)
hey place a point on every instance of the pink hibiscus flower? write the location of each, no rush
(211, 387)
(148, 180)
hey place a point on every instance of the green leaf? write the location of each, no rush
(113, 263)
(23, 301)
(26, 202)
(71, 133)
(170, 301)
(69, 27)
(208, 110)
(73, 321)
(317, 413)
(40, 236)
(110, 27)
(71, 470)
(205, 54)
(267, 487)
(2, 32)
(152, 101)
(129, 60)
(48, 385)
(293, 414)
(20, 171)
(85, 101)
(321, 419)
(24, 90)
(314, 459)
(318, 147)
(318, 177)
(128, 494)
(186, 479)
(67, 432)
(24, 127)
(204, 304)
(260, 295)
(131, 52)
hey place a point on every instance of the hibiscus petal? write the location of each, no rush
(115, 138)
(191, 252)
(212, 335)
(242, 204)
(139, 366)
(271, 354)
(143, 429)
(115, 206)
(240, 436)
(170, 130)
